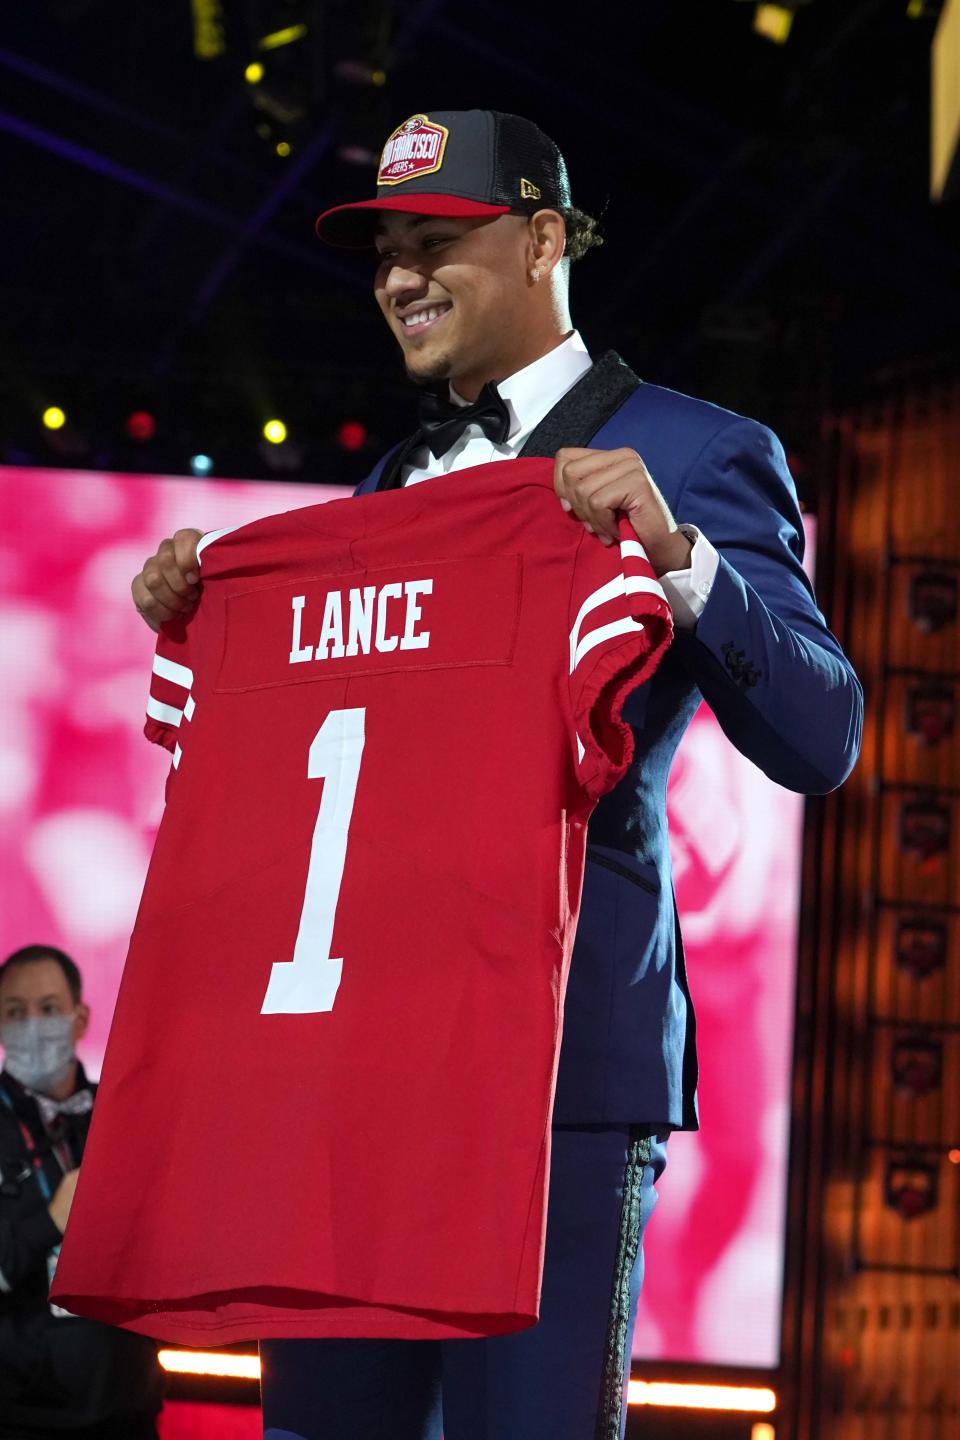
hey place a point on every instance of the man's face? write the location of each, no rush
(40, 988)
(455, 294)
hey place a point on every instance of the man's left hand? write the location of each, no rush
(595, 484)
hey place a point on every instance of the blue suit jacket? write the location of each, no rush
(784, 693)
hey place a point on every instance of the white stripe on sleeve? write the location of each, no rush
(645, 585)
(170, 670)
(212, 535)
(601, 633)
(168, 714)
(189, 708)
(611, 591)
(634, 549)
(176, 757)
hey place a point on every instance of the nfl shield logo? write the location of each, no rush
(415, 148)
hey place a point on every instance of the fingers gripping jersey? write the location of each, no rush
(326, 1098)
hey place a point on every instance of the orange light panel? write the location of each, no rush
(702, 1397)
(762, 1431)
(210, 1362)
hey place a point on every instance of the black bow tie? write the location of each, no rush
(442, 423)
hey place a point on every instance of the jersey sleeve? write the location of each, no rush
(170, 702)
(620, 628)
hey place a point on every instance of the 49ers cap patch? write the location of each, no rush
(460, 163)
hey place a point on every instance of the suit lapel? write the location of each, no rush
(576, 418)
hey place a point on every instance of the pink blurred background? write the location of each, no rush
(81, 793)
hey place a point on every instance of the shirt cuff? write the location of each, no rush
(688, 591)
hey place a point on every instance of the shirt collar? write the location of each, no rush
(533, 391)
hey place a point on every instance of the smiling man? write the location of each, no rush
(475, 233)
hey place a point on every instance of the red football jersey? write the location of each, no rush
(326, 1098)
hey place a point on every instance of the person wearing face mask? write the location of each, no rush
(58, 1374)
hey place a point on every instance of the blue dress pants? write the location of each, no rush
(563, 1379)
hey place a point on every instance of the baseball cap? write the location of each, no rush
(460, 163)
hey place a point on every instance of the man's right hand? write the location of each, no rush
(168, 584)
(59, 1206)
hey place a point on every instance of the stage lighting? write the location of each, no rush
(141, 425)
(352, 435)
(686, 1396)
(773, 22)
(209, 1362)
(254, 73)
(54, 418)
(283, 149)
(288, 36)
(208, 29)
(201, 464)
(275, 431)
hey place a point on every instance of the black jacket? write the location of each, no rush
(56, 1374)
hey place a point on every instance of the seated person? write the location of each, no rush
(58, 1374)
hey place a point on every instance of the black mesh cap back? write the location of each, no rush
(524, 152)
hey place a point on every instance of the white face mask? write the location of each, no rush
(38, 1052)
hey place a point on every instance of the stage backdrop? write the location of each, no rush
(81, 792)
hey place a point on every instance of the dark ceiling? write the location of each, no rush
(770, 241)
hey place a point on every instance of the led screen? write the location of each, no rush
(81, 793)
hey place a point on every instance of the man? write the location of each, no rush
(58, 1374)
(475, 232)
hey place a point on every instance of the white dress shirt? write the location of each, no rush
(529, 395)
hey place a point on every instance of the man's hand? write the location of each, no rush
(168, 584)
(595, 484)
(59, 1207)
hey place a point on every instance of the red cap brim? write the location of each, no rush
(353, 226)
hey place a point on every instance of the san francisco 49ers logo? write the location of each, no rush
(415, 148)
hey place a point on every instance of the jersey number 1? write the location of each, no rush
(308, 983)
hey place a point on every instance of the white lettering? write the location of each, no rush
(367, 625)
(361, 620)
(411, 641)
(298, 652)
(387, 592)
(330, 644)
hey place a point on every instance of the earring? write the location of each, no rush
(535, 276)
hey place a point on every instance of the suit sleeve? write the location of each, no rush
(761, 653)
(620, 628)
(170, 702)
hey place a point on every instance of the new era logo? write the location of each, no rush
(529, 191)
(415, 148)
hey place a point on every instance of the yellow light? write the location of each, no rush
(774, 22)
(702, 1397)
(762, 1431)
(275, 431)
(283, 37)
(54, 418)
(254, 73)
(915, 9)
(283, 149)
(378, 77)
(210, 1362)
